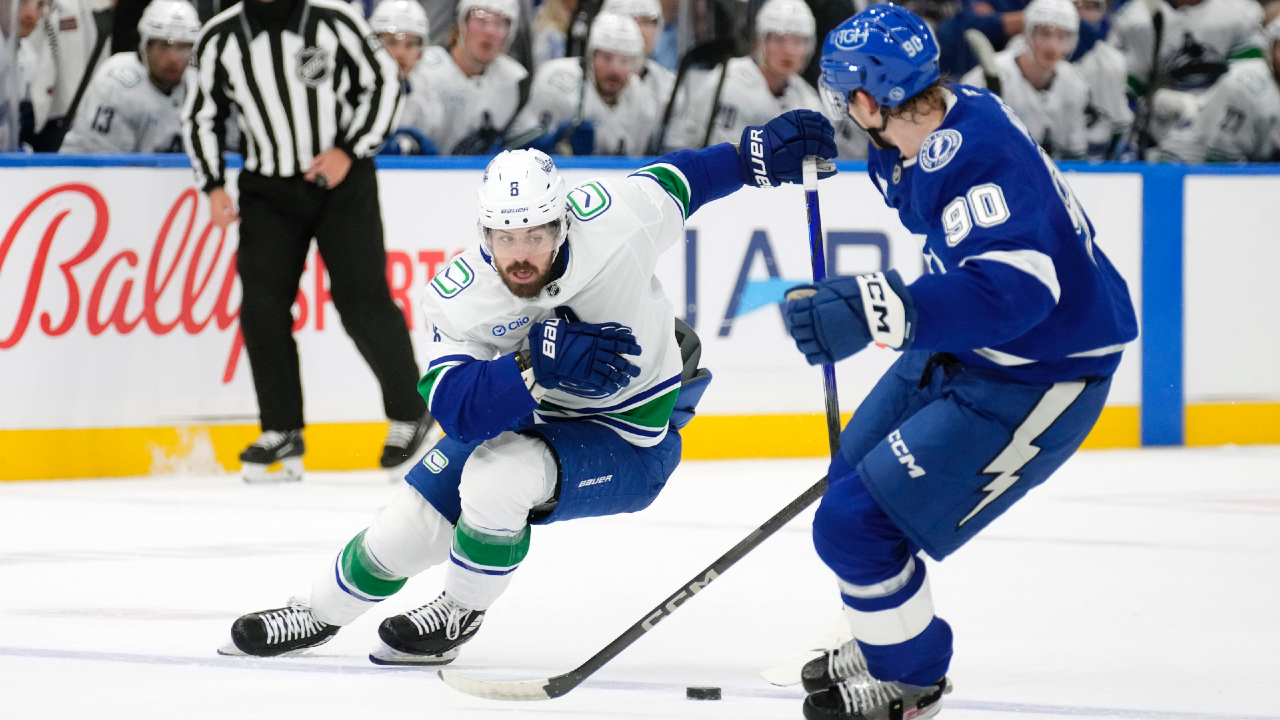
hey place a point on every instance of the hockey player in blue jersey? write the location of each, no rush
(1008, 345)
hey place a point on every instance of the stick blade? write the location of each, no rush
(497, 690)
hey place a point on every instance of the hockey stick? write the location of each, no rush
(986, 55)
(554, 687)
(1142, 124)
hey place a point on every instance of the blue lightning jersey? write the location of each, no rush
(1015, 278)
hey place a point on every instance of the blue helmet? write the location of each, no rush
(885, 50)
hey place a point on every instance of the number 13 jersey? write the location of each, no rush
(1015, 279)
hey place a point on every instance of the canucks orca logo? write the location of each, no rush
(852, 38)
(938, 149)
(313, 66)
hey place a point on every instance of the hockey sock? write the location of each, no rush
(355, 584)
(896, 628)
(482, 562)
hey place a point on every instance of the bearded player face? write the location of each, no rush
(523, 257)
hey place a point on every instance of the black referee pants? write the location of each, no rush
(278, 218)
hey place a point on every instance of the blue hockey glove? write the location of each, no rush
(408, 141)
(838, 317)
(581, 139)
(584, 359)
(773, 154)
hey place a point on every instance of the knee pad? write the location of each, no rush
(855, 538)
(504, 479)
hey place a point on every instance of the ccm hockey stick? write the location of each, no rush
(554, 687)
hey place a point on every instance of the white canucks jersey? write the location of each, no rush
(617, 230)
(1055, 117)
(124, 112)
(659, 82)
(489, 99)
(745, 100)
(1239, 120)
(621, 129)
(1103, 70)
(420, 106)
(1196, 45)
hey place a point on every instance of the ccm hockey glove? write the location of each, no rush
(772, 154)
(584, 359)
(838, 317)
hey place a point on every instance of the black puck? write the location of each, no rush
(702, 693)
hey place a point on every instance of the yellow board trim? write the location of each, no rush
(123, 452)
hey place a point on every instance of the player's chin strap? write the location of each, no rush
(875, 133)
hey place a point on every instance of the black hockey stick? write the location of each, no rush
(1140, 134)
(554, 687)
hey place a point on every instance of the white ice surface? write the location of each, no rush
(1134, 584)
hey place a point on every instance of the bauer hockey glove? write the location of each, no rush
(584, 359)
(774, 153)
(838, 317)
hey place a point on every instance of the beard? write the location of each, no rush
(525, 290)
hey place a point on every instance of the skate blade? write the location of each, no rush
(396, 474)
(287, 470)
(230, 650)
(385, 655)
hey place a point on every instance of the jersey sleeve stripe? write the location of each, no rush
(671, 180)
(1035, 264)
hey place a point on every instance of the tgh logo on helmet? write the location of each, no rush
(852, 38)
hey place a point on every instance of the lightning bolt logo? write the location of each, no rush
(1021, 450)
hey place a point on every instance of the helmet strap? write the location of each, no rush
(875, 133)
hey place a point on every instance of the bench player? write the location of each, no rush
(1008, 346)
(134, 102)
(557, 377)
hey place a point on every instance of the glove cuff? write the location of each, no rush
(752, 164)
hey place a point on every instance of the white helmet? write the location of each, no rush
(400, 16)
(510, 9)
(1055, 13)
(172, 20)
(784, 17)
(521, 189)
(634, 8)
(616, 33)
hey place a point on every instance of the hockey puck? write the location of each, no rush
(702, 693)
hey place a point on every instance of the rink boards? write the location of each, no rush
(119, 350)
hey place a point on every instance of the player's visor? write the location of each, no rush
(836, 102)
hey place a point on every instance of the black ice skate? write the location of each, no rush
(405, 439)
(283, 631)
(835, 665)
(865, 698)
(273, 448)
(429, 635)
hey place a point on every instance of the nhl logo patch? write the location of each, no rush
(553, 290)
(313, 66)
(938, 149)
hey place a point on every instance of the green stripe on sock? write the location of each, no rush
(360, 571)
(495, 551)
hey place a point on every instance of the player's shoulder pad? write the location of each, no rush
(433, 56)
(1072, 79)
(590, 200)
(1250, 77)
(125, 74)
(743, 71)
(456, 276)
(562, 75)
(987, 140)
(508, 68)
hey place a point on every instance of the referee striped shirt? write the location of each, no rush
(324, 82)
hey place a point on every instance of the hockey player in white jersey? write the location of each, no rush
(754, 88)
(614, 114)
(560, 375)
(476, 83)
(134, 102)
(648, 15)
(1240, 117)
(403, 28)
(1045, 91)
(759, 87)
(1198, 42)
(1109, 116)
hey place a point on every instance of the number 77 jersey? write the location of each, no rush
(1015, 280)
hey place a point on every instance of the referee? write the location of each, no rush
(316, 95)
